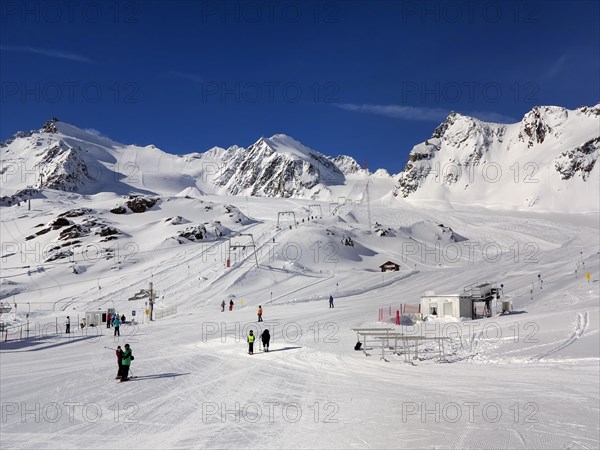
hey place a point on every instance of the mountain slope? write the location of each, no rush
(548, 160)
(63, 157)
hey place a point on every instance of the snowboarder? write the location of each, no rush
(230, 305)
(331, 301)
(223, 306)
(126, 359)
(265, 337)
(251, 343)
(116, 323)
(119, 353)
(259, 313)
(68, 325)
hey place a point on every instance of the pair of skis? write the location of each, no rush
(262, 350)
(128, 379)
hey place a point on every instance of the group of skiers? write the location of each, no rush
(115, 321)
(265, 337)
(259, 312)
(230, 305)
(124, 358)
(111, 320)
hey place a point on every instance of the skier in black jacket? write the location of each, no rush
(265, 337)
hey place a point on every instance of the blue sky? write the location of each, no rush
(368, 79)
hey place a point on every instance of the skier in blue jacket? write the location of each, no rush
(116, 323)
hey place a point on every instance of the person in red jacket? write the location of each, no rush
(230, 305)
(119, 359)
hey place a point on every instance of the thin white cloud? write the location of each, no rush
(186, 76)
(46, 52)
(94, 132)
(398, 111)
(421, 113)
(556, 66)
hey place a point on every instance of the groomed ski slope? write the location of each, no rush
(526, 380)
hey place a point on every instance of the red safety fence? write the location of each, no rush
(389, 314)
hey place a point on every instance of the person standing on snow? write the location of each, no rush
(265, 337)
(126, 362)
(68, 325)
(251, 338)
(230, 305)
(116, 323)
(259, 313)
(119, 353)
(223, 306)
(331, 301)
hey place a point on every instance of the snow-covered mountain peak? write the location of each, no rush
(286, 145)
(75, 135)
(593, 111)
(541, 121)
(65, 157)
(454, 120)
(279, 166)
(549, 158)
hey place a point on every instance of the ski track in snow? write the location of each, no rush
(581, 323)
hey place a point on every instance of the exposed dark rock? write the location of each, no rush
(141, 204)
(177, 220)
(76, 212)
(50, 126)
(381, 230)
(454, 237)
(535, 127)
(59, 223)
(347, 241)
(578, 160)
(107, 231)
(74, 231)
(63, 168)
(194, 233)
(19, 196)
(60, 255)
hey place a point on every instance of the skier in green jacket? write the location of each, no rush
(126, 362)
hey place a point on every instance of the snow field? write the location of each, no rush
(525, 380)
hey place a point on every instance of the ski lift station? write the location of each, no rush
(98, 317)
(475, 302)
